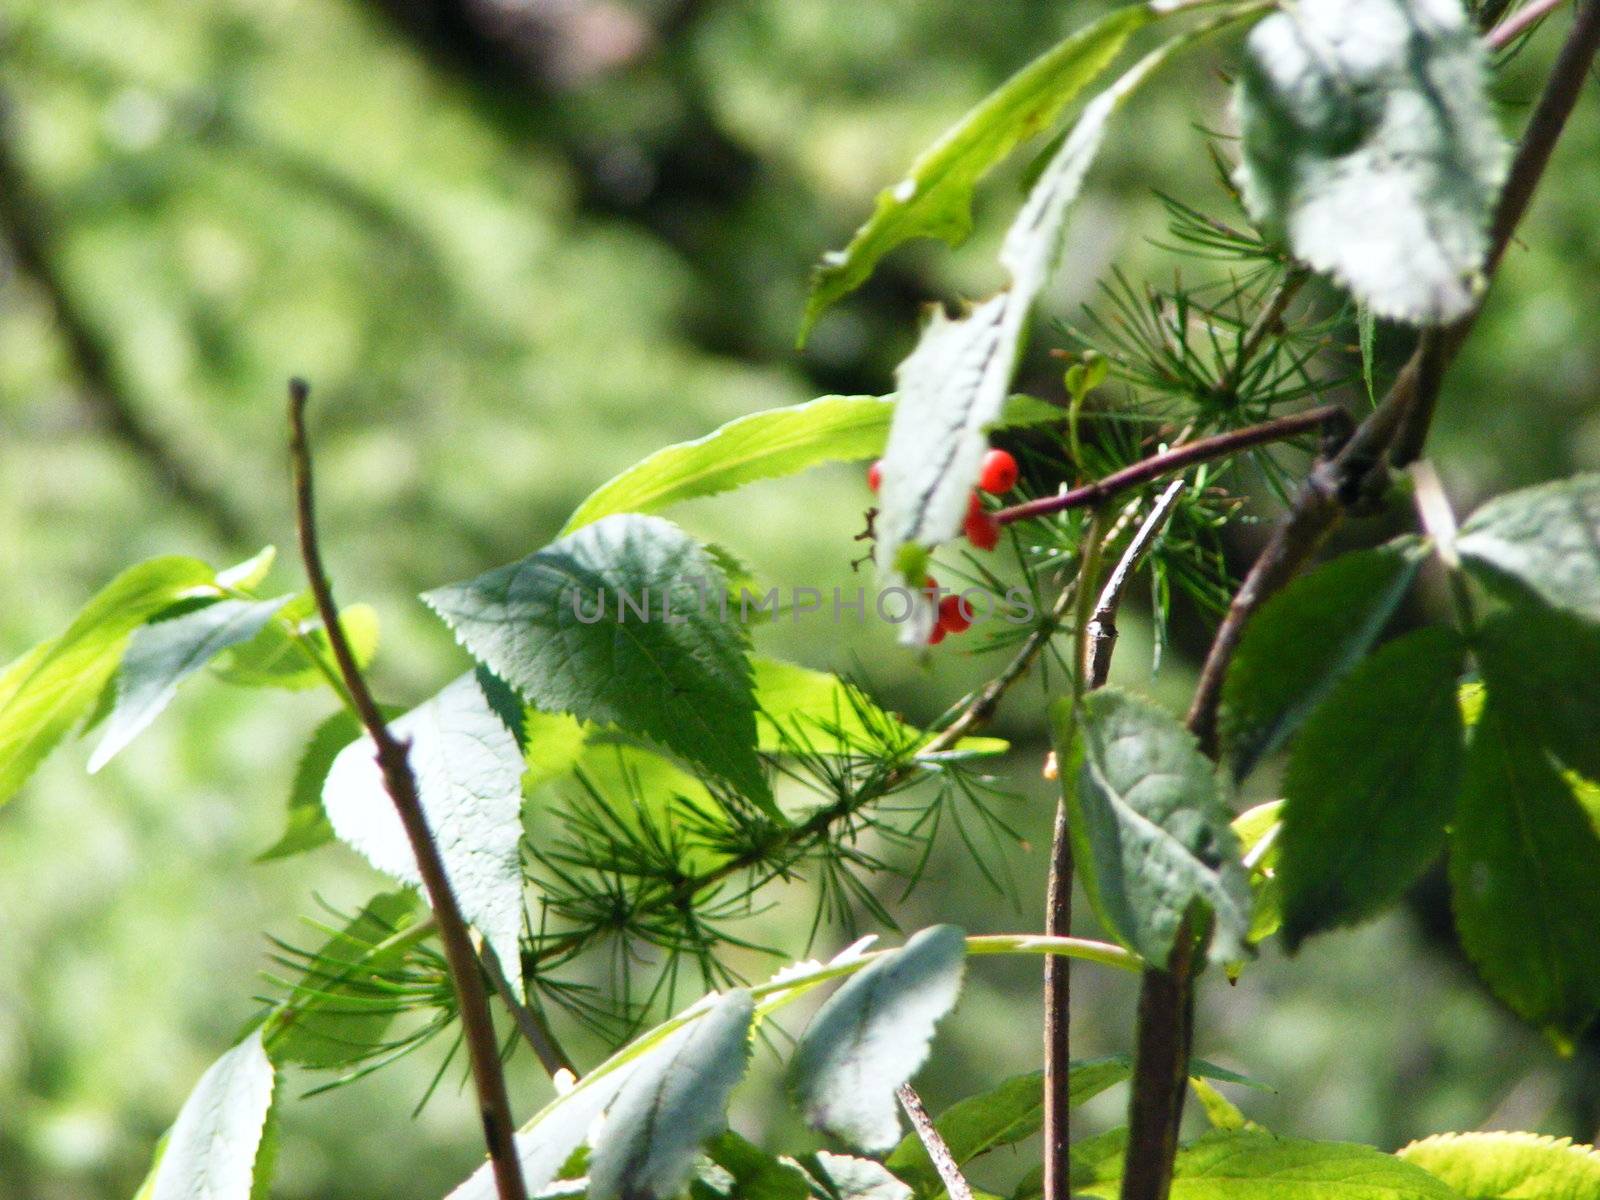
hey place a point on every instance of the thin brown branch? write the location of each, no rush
(100, 387)
(944, 1162)
(494, 1107)
(1102, 628)
(1397, 430)
(529, 1021)
(1175, 459)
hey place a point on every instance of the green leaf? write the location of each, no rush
(1542, 667)
(763, 445)
(1258, 829)
(1149, 826)
(935, 198)
(307, 826)
(214, 1149)
(1250, 1165)
(753, 1173)
(842, 1177)
(553, 744)
(1547, 538)
(872, 1035)
(953, 386)
(679, 1099)
(469, 778)
(1303, 641)
(1524, 859)
(679, 677)
(1370, 785)
(327, 1020)
(274, 658)
(1370, 143)
(1508, 1166)
(827, 715)
(47, 690)
(163, 654)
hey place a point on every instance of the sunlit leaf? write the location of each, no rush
(1370, 143)
(213, 1150)
(275, 658)
(1508, 1166)
(872, 1035)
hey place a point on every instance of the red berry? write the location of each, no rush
(982, 530)
(999, 473)
(875, 475)
(937, 635)
(954, 616)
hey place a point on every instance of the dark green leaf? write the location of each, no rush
(329, 1019)
(1547, 538)
(1542, 668)
(161, 655)
(45, 692)
(1369, 141)
(674, 1102)
(1151, 834)
(755, 1174)
(1524, 860)
(1303, 641)
(469, 778)
(679, 677)
(935, 199)
(763, 445)
(1370, 785)
(872, 1035)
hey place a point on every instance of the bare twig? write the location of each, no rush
(1396, 429)
(1149, 469)
(1102, 628)
(944, 1162)
(1520, 22)
(494, 1107)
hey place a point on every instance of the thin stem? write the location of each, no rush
(944, 1162)
(529, 1021)
(1175, 459)
(1102, 624)
(1520, 22)
(494, 1106)
(1266, 322)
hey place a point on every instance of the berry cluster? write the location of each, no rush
(997, 476)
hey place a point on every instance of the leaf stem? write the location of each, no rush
(1520, 22)
(1175, 459)
(494, 1106)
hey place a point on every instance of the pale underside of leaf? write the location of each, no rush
(953, 386)
(763, 445)
(211, 1150)
(162, 655)
(468, 770)
(1369, 142)
(1545, 537)
(872, 1035)
(674, 1103)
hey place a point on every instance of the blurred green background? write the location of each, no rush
(516, 245)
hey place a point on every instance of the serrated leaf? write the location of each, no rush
(671, 1105)
(679, 677)
(1371, 785)
(1150, 830)
(326, 1020)
(1303, 641)
(1524, 859)
(763, 445)
(274, 659)
(935, 198)
(1508, 1166)
(1370, 143)
(214, 1149)
(48, 689)
(468, 771)
(1546, 538)
(1250, 1165)
(306, 826)
(953, 386)
(872, 1035)
(163, 654)
(1542, 666)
